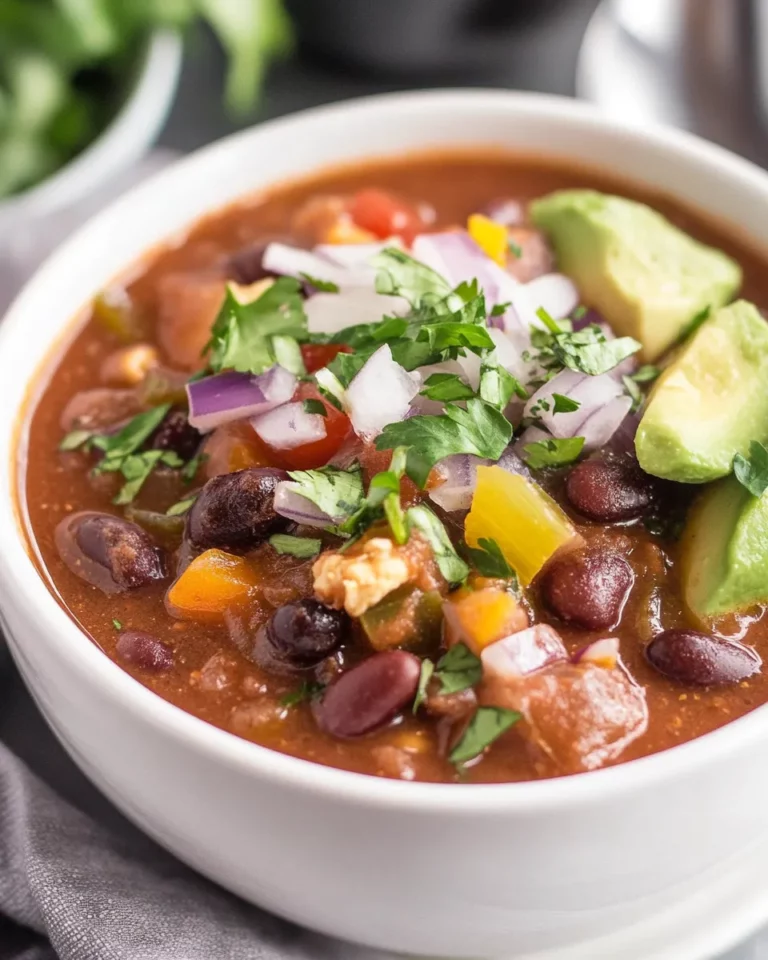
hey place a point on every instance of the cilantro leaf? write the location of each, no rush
(315, 406)
(564, 404)
(128, 440)
(590, 351)
(498, 386)
(136, 468)
(445, 387)
(459, 669)
(383, 498)
(488, 560)
(515, 249)
(181, 507)
(646, 374)
(752, 471)
(117, 625)
(487, 725)
(337, 492)
(430, 527)
(549, 321)
(242, 335)
(75, 439)
(302, 547)
(552, 453)
(634, 392)
(693, 325)
(427, 669)
(307, 691)
(480, 429)
(345, 367)
(190, 468)
(322, 286)
(287, 354)
(401, 275)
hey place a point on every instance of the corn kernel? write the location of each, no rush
(491, 237)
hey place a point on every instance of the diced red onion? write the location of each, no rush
(522, 653)
(380, 393)
(291, 505)
(225, 397)
(556, 293)
(598, 429)
(352, 255)
(532, 435)
(623, 440)
(289, 426)
(512, 462)
(591, 393)
(331, 312)
(604, 653)
(294, 262)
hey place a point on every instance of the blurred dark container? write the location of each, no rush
(410, 36)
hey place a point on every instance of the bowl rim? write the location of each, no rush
(19, 575)
(127, 136)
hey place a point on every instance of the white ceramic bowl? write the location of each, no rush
(124, 141)
(522, 869)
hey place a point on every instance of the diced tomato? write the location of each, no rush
(319, 355)
(375, 461)
(234, 446)
(317, 454)
(385, 215)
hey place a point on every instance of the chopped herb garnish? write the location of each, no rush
(498, 386)
(181, 507)
(117, 625)
(315, 406)
(75, 439)
(500, 309)
(344, 367)
(458, 669)
(564, 404)
(634, 392)
(445, 387)
(587, 351)
(337, 492)
(190, 468)
(403, 276)
(307, 691)
(243, 333)
(752, 471)
(693, 325)
(646, 374)
(382, 500)
(136, 468)
(288, 355)
(515, 249)
(323, 286)
(301, 547)
(133, 435)
(487, 725)
(431, 528)
(549, 321)
(480, 429)
(488, 559)
(427, 669)
(552, 453)
(579, 312)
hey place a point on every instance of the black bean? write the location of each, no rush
(245, 265)
(589, 590)
(143, 651)
(609, 490)
(369, 695)
(299, 635)
(235, 510)
(177, 434)
(701, 658)
(109, 553)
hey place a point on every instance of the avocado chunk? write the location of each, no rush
(711, 402)
(724, 559)
(648, 279)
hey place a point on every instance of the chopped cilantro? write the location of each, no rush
(500, 309)
(308, 690)
(243, 333)
(330, 387)
(128, 440)
(590, 351)
(75, 439)
(181, 507)
(552, 453)
(190, 468)
(646, 374)
(427, 669)
(430, 527)
(117, 625)
(383, 498)
(287, 354)
(459, 669)
(498, 386)
(345, 367)
(752, 471)
(693, 325)
(136, 468)
(488, 559)
(301, 547)
(564, 404)
(480, 429)
(486, 725)
(549, 321)
(515, 249)
(580, 312)
(323, 286)
(337, 492)
(445, 387)
(403, 276)
(634, 392)
(315, 406)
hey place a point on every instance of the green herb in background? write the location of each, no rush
(65, 66)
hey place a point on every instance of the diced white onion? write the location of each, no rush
(289, 426)
(331, 312)
(380, 394)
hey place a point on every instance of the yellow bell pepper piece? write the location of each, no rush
(211, 584)
(481, 617)
(528, 525)
(490, 236)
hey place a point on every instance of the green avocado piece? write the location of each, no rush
(647, 278)
(724, 559)
(711, 401)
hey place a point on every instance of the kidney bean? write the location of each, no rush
(177, 434)
(234, 511)
(143, 651)
(369, 695)
(100, 409)
(588, 590)
(109, 553)
(609, 490)
(701, 658)
(299, 635)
